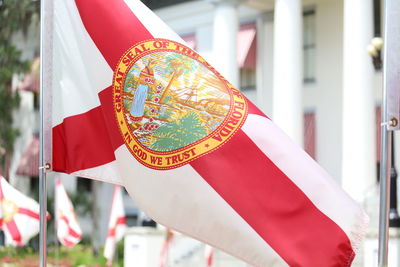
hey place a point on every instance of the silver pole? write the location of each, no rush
(57, 248)
(384, 193)
(43, 223)
(389, 67)
(42, 171)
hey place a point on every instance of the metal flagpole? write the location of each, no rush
(42, 170)
(391, 89)
(384, 190)
(57, 247)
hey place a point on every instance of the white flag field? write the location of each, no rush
(19, 215)
(69, 232)
(131, 104)
(116, 225)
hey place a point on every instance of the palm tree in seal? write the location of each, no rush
(177, 65)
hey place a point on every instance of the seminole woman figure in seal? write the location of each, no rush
(146, 82)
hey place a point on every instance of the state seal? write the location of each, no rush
(171, 106)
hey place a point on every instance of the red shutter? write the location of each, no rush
(310, 134)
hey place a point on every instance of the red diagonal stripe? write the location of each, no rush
(273, 205)
(29, 213)
(14, 232)
(112, 26)
(111, 232)
(71, 231)
(93, 133)
(253, 109)
(81, 142)
(68, 243)
(210, 257)
(32, 214)
(97, 128)
(119, 221)
(73, 234)
(107, 106)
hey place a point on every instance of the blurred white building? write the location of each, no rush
(304, 63)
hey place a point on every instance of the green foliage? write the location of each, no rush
(9, 64)
(130, 81)
(16, 252)
(15, 15)
(119, 255)
(167, 99)
(18, 14)
(179, 133)
(150, 96)
(79, 255)
(179, 64)
(82, 202)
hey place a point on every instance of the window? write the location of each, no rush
(378, 120)
(84, 185)
(154, 4)
(377, 18)
(190, 40)
(247, 79)
(34, 187)
(309, 46)
(310, 134)
(246, 57)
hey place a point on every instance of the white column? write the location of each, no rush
(359, 152)
(288, 69)
(226, 25)
(264, 68)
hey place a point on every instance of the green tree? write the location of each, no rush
(176, 65)
(15, 15)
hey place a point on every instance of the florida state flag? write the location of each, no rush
(209, 255)
(19, 215)
(133, 105)
(116, 225)
(69, 232)
(165, 247)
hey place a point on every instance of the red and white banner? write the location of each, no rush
(169, 236)
(134, 106)
(209, 255)
(19, 215)
(69, 232)
(116, 225)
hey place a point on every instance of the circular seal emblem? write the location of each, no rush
(9, 210)
(171, 105)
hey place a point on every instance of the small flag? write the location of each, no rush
(19, 215)
(69, 232)
(169, 235)
(116, 225)
(209, 255)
